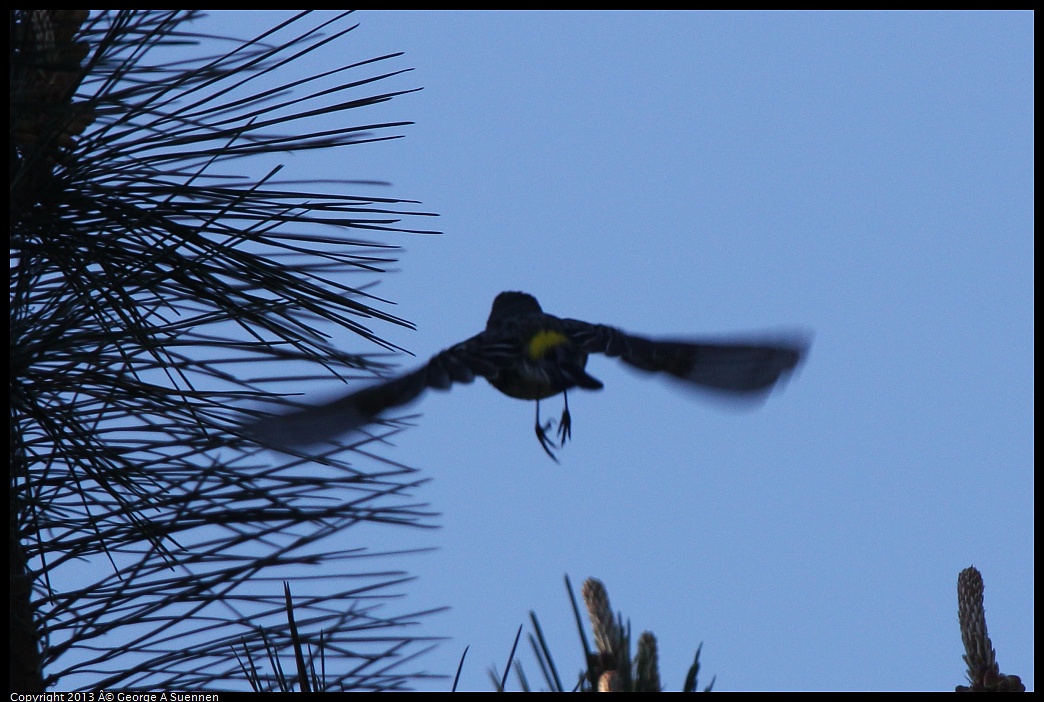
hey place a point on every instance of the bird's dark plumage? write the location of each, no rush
(531, 355)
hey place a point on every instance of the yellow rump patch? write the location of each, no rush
(543, 341)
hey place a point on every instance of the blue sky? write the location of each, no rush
(865, 176)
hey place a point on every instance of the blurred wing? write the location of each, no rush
(739, 367)
(301, 427)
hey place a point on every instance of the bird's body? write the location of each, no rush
(528, 354)
(537, 356)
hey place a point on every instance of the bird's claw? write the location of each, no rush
(564, 431)
(565, 428)
(546, 443)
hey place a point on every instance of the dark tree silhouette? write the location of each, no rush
(159, 266)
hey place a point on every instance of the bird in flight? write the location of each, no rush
(528, 354)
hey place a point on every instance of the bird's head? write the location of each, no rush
(512, 304)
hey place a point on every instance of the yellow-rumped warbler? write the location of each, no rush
(531, 355)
